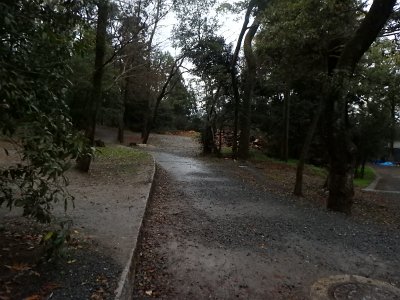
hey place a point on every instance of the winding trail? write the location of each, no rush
(211, 233)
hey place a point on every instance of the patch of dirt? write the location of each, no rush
(8, 152)
(152, 280)
(81, 272)
(379, 208)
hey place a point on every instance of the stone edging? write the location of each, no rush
(126, 282)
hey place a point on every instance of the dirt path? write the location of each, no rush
(212, 235)
(388, 179)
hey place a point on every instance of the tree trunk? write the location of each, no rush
(392, 128)
(245, 118)
(286, 123)
(147, 121)
(83, 163)
(298, 188)
(208, 140)
(235, 85)
(341, 148)
(357, 167)
(121, 117)
(152, 117)
(220, 139)
(364, 161)
(121, 127)
(209, 132)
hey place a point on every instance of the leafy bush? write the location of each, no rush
(37, 42)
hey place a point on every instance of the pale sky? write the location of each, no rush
(231, 26)
(230, 29)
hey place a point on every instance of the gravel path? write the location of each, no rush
(212, 234)
(389, 179)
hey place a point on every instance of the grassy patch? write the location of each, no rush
(318, 171)
(258, 156)
(121, 153)
(254, 154)
(369, 176)
(226, 151)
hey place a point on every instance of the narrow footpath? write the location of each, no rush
(210, 234)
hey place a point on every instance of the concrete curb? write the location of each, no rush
(381, 191)
(372, 186)
(126, 282)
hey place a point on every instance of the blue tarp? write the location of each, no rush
(386, 164)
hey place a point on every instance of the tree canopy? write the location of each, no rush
(316, 80)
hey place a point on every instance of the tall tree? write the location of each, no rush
(341, 148)
(296, 47)
(234, 78)
(168, 83)
(95, 99)
(132, 65)
(196, 35)
(249, 83)
(380, 81)
(37, 40)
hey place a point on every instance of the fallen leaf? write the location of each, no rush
(50, 286)
(71, 261)
(102, 280)
(34, 273)
(48, 235)
(149, 293)
(34, 297)
(98, 295)
(19, 267)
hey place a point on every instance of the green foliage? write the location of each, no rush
(377, 100)
(178, 108)
(211, 56)
(297, 49)
(37, 41)
(236, 7)
(81, 65)
(195, 22)
(369, 177)
(54, 241)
